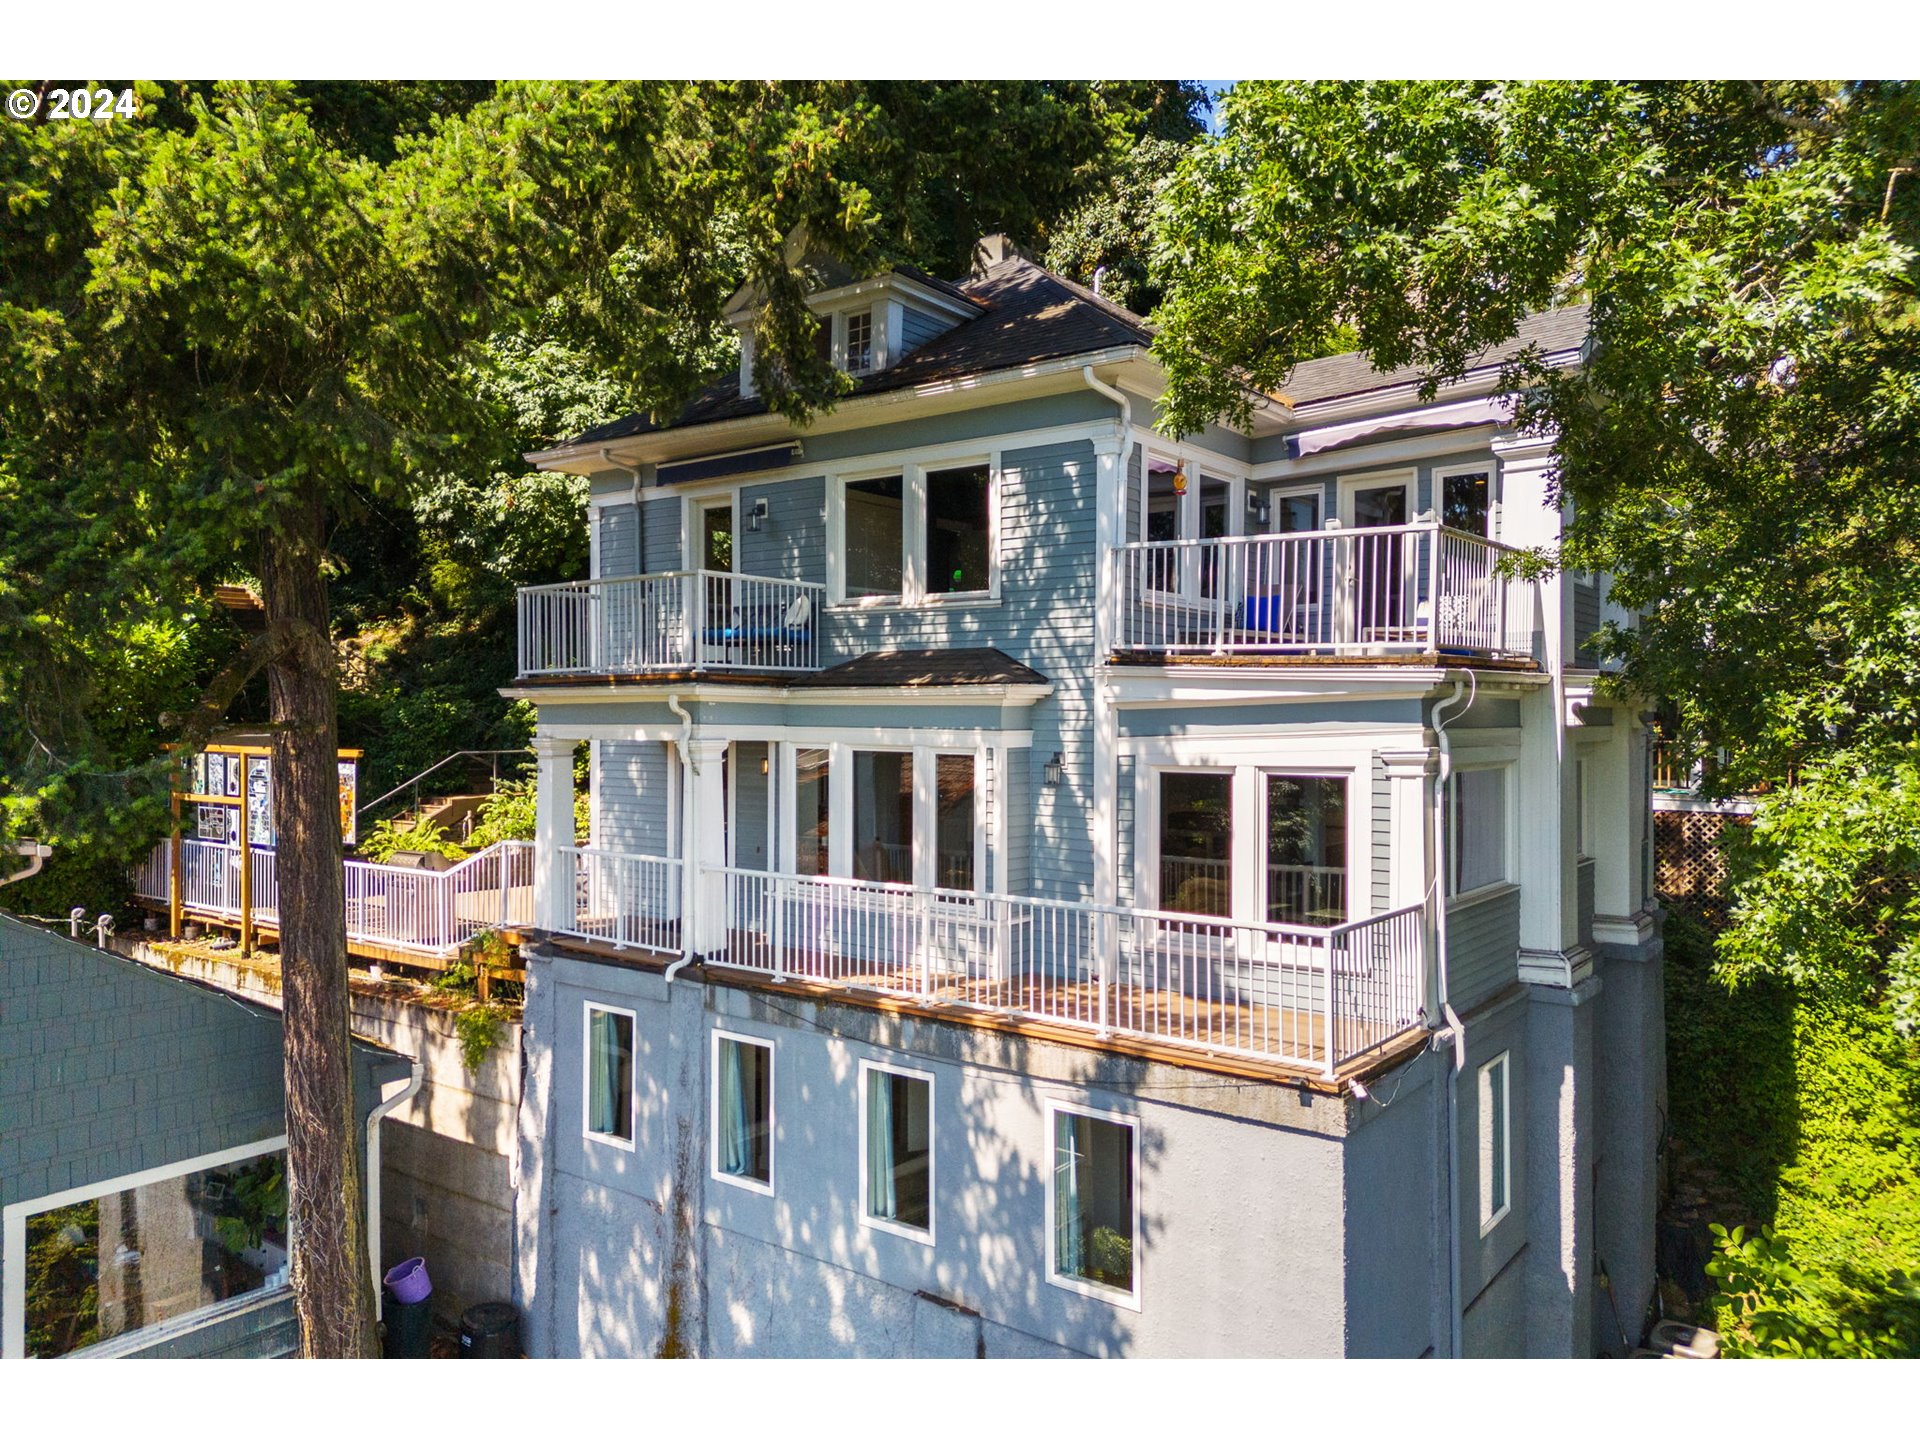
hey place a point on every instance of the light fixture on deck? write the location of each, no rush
(1056, 770)
(1257, 509)
(757, 516)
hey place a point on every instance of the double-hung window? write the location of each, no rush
(896, 1150)
(742, 1140)
(1496, 1143)
(1093, 1229)
(609, 1077)
(924, 534)
(1477, 829)
(859, 325)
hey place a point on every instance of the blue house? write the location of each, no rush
(1058, 889)
(142, 1159)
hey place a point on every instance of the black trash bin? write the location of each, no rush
(408, 1311)
(490, 1332)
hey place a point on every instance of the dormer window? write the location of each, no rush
(859, 342)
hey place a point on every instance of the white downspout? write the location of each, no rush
(1454, 1031)
(35, 854)
(379, 1113)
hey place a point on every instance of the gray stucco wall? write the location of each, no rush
(1630, 1052)
(615, 1242)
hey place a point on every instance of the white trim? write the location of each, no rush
(586, 1076)
(875, 738)
(13, 1227)
(1003, 696)
(874, 1222)
(1491, 1215)
(913, 467)
(1127, 1299)
(1509, 838)
(693, 531)
(745, 1182)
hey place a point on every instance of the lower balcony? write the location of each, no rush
(1361, 593)
(1315, 998)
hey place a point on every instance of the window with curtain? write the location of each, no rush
(883, 816)
(610, 1074)
(875, 536)
(1095, 1230)
(953, 798)
(1306, 849)
(810, 811)
(959, 530)
(743, 1109)
(899, 1148)
(1496, 1138)
(1477, 820)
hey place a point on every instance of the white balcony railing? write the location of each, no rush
(676, 620)
(426, 912)
(621, 899)
(1419, 588)
(1307, 996)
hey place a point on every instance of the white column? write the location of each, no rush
(552, 832)
(1412, 864)
(1110, 477)
(703, 830)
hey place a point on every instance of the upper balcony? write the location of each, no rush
(1334, 594)
(670, 623)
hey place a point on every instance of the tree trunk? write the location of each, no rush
(331, 1271)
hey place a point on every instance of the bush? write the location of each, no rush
(380, 843)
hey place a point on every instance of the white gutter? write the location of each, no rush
(1454, 1031)
(35, 854)
(379, 1113)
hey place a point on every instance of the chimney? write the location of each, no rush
(991, 250)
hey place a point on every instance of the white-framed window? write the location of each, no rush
(742, 1120)
(1093, 1203)
(1496, 1142)
(607, 1081)
(859, 342)
(1252, 843)
(916, 534)
(1466, 498)
(1477, 829)
(112, 1260)
(915, 816)
(1185, 497)
(896, 1150)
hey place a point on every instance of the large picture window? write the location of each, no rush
(743, 1111)
(1196, 842)
(1477, 822)
(926, 534)
(953, 837)
(1095, 1232)
(875, 534)
(897, 1150)
(883, 816)
(1306, 849)
(609, 1080)
(101, 1268)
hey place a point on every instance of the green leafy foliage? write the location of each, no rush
(479, 1028)
(1737, 448)
(380, 843)
(1800, 1115)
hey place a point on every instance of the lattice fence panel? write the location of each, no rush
(1689, 869)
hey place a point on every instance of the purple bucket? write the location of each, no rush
(408, 1281)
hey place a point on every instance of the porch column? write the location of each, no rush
(552, 832)
(1411, 864)
(703, 844)
(1110, 475)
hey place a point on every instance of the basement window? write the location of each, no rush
(609, 1078)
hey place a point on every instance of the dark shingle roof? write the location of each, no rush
(1353, 373)
(888, 669)
(1028, 315)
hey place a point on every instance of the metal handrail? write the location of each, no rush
(444, 760)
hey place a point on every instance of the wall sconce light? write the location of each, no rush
(1257, 509)
(763, 764)
(757, 516)
(1056, 770)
